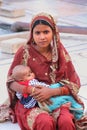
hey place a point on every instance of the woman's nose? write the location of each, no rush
(42, 36)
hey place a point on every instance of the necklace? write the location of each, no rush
(48, 55)
(46, 52)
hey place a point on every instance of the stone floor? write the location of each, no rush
(68, 12)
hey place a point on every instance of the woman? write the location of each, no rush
(51, 63)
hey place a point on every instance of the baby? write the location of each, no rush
(24, 75)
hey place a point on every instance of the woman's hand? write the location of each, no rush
(42, 94)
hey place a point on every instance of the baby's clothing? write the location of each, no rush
(29, 101)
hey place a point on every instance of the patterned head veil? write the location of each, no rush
(54, 44)
(55, 41)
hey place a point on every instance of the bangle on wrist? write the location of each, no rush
(33, 89)
(64, 91)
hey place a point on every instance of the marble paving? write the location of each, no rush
(68, 12)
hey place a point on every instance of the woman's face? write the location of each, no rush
(42, 35)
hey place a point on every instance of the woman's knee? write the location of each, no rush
(45, 122)
(65, 120)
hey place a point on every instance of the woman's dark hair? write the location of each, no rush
(41, 22)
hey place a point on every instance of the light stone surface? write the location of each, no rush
(11, 11)
(0, 2)
(11, 45)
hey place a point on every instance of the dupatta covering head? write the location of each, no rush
(51, 22)
(60, 57)
(46, 19)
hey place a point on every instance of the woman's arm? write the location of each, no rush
(11, 83)
(16, 87)
(44, 93)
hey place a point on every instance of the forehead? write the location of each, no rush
(41, 27)
(26, 69)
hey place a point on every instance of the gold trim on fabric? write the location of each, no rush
(52, 73)
(26, 55)
(55, 114)
(74, 89)
(46, 15)
(32, 116)
(67, 57)
(72, 85)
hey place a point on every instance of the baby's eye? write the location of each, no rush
(28, 75)
(21, 80)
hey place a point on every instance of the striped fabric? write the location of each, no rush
(30, 102)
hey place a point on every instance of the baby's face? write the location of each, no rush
(29, 75)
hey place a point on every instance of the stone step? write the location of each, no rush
(10, 46)
(11, 11)
(0, 2)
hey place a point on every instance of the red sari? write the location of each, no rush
(40, 66)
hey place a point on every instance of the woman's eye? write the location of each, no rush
(37, 33)
(46, 32)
